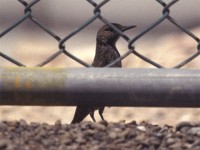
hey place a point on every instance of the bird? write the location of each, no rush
(106, 52)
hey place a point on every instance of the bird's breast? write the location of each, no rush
(105, 54)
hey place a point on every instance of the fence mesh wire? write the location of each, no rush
(131, 49)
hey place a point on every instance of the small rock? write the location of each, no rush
(90, 132)
(13, 123)
(154, 141)
(34, 125)
(140, 137)
(80, 140)
(3, 144)
(66, 139)
(23, 123)
(194, 131)
(132, 123)
(142, 128)
(99, 126)
(183, 124)
(170, 141)
(112, 135)
(80, 137)
(117, 130)
(3, 126)
(58, 123)
(176, 146)
(125, 132)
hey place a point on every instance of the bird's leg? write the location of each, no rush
(92, 116)
(101, 113)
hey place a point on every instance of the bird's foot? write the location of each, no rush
(101, 113)
(92, 116)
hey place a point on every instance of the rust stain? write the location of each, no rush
(17, 82)
(28, 84)
(17, 85)
(28, 87)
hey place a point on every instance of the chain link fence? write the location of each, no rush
(131, 49)
(167, 90)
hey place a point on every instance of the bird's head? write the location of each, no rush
(106, 35)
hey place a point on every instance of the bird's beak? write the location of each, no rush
(127, 28)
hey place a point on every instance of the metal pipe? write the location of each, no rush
(100, 86)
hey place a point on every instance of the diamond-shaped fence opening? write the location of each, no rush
(65, 53)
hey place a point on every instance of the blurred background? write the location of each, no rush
(166, 44)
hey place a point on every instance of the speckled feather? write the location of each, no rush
(106, 54)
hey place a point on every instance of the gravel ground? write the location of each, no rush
(17, 135)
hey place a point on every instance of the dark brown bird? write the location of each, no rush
(106, 52)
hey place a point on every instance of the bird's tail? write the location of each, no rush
(80, 114)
